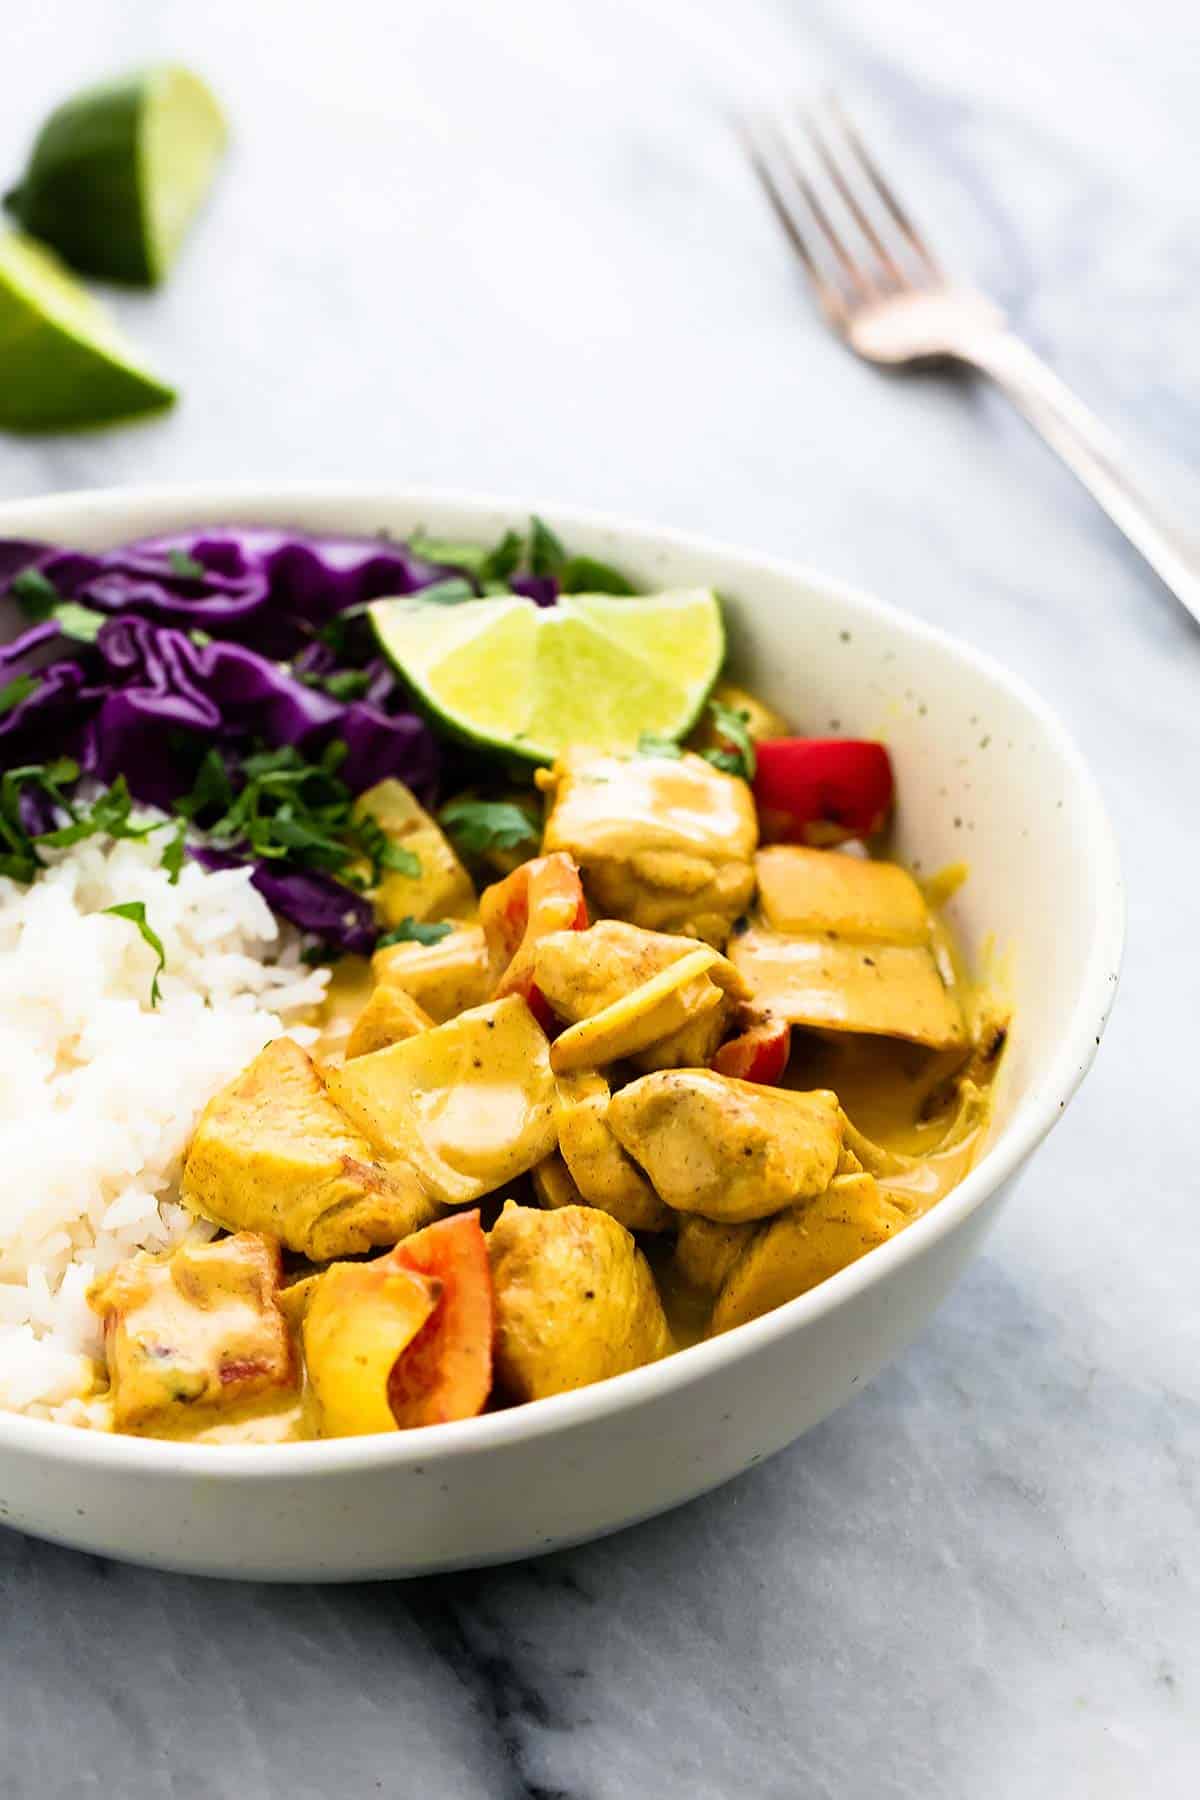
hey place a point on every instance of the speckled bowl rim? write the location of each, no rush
(1034, 1115)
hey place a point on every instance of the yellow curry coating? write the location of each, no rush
(575, 1300)
(197, 1329)
(845, 943)
(663, 843)
(273, 1153)
(731, 1150)
(443, 978)
(604, 1175)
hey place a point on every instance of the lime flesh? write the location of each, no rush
(63, 363)
(118, 172)
(592, 670)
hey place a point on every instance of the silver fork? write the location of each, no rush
(880, 288)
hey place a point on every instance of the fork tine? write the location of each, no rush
(833, 169)
(870, 169)
(786, 211)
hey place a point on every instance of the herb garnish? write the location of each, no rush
(107, 815)
(342, 684)
(543, 556)
(39, 599)
(186, 566)
(453, 590)
(736, 752)
(412, 931)
(477, 826)
(293, 809)
(81, 623)
(135, 912)
(651, 745)
(16, 691)
(36, 593)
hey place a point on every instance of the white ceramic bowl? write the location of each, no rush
(985, 773)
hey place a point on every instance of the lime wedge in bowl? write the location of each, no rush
(529, 680)
(117, 173)
(63, 363)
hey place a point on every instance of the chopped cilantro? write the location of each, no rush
(81, 623)
(135, 912)
(546, 553)
(412, 931)
(186, 566)
(36, 593)
(650, 745)
(735, 755)
(584, 575)
(477, 826)
(16, 691)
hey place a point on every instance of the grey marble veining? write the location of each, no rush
(514, 247)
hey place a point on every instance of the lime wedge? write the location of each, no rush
(63, 363)
(529, 680)
(118, 172)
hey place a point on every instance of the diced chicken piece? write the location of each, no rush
(599, 1168)
(731, 1150)
(200, 1327)
(575, 1300)
(846, 944)
(705, 1251)
(444, 978)
(390, 1016)
(553, 1184)
(273, 1153)
(441, 888)
(614, 977)
(469, 1104)
(807, 1245)
(662, 842)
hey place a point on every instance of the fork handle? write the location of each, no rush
(1093, 454)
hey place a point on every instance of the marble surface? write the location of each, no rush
(515, 248)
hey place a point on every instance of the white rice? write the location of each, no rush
(100, 1092)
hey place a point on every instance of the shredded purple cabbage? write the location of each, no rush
(342, 919)
(233, 638)
(221, 637)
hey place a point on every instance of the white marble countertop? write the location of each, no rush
(515, 248)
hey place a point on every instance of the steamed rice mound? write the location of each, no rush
(100, 1092)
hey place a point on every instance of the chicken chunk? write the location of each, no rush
(470, 1104)
(553, 1184)
(273, 1153)
(847, 944)
(198, 1328)
(731, 1150)
(604, 1175)
(390, 1016)
(614, 977)
(706, 1251)
(662, 842)
(575, 1300)
(440, 887)
(807, 1245)
(443, 978)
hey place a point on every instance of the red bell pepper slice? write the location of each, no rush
(758, 1054)
(822, 791)
(538, 897)
(445, 1372)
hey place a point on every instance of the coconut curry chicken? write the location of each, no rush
(695, 1054)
